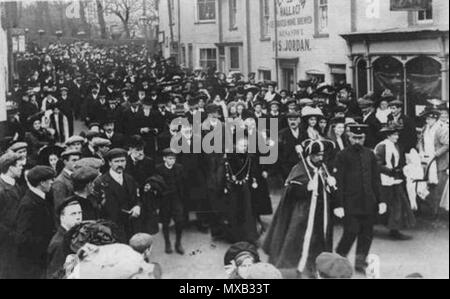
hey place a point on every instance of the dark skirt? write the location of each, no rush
(240, 222)
(261, 202)
(400, 214)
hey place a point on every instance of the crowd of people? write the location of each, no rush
(65, 191)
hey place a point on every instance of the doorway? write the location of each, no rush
(288, 79)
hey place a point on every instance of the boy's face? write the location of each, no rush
(170, 161)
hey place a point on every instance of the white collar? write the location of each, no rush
(7, 179)
(37, 191)
(116, 176)
(68, 172)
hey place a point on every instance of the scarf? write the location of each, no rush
(392, 160)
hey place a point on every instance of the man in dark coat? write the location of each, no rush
(11, 168)
(63, 185)
(139, 166)
(70, 214)
(289, 138)
(358, 199)
(66, 106)
(373, 124)
(35, 224)
(117, 139)
(119, 193)
(150, 125)
(408, 133)
(130, 118)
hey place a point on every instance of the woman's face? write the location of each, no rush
(312, 121)
(249, 96)
(339, 130)
(233, 110)
(240, 109)
(323, 123)
(37, 125)
(384, 105)
(53, 160)
(394, 137)
(243, 266)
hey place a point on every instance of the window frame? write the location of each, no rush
(238, 49)
(198, 20)
(317, 10)
(265, 20)
(233, 11)
(207, 60)
(424, 21)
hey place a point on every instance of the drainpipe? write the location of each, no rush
(249, 44)
(276, 39)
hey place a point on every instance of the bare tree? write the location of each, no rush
(129, 12)
(101, 18)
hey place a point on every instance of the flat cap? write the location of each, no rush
(89, 162)
(69, 153)
(241, 248)
(7, 160)
(74, 139)
(358, 129)
(293, 115)
(260, 271)
(17, 146)
(97, 141)
(364, 103)
(84, 174)
(306, 102)
(40, 174)
(274, 102)
(116, 153)
(331, 265)
(65, 203)
(141, 242)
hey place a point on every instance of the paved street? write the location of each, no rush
(427, 253)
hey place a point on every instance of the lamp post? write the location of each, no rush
(144, 21)
(41, 33)
(59, 34)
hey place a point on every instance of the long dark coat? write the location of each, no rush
(10, 197)
(55, 254)
(288, 155)
(140, 171)
(118, 199)
(35, 229)
(358, 179)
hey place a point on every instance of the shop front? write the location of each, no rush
(412, 63)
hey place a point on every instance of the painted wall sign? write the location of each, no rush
(295, 25)
(413, 5)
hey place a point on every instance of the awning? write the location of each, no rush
(409, 33)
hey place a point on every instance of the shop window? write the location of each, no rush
(265, 19)
(424, 82)
(233, 14)
(388, 74)
(234, 58)
(265, 75)
(206, 10)
(362, 87)
(208, 58)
